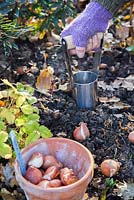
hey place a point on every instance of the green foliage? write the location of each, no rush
(9, 31)
(110, 182)
(44, 15)
(130, 48)
(17, 112)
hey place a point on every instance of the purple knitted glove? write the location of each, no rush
(92, 20)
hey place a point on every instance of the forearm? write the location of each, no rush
(112, 5)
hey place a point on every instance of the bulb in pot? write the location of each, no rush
(81, 132)
(33, 175)
(67, 176)
(51, 173)
(49, 161)
(36, 160)
(55, 183)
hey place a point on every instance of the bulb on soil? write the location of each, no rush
(131, 137)
(82, 132)
(110, 167)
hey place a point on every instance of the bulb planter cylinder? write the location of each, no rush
(71, 154)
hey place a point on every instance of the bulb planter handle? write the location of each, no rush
(83, 84)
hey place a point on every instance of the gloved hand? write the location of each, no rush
(85, 28)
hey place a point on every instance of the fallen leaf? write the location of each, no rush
(6, 195)
(125, 190)
(127, 83)
(130, 117)
(120, 106)
(104, 86)
(2, 103)
(8, 172)
(123, 128)
(64, 87)
(109, 100)
(45, 79)
(118, 115)
(94, 198)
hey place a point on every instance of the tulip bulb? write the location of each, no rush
(49, 161)
(36, 160)
(82, 132)
(67, 176)
(110, 167)
(51, 173)
(131, 137)
(33, 175)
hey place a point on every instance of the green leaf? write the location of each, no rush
(27, 109)
(8, 115)
(31, 126)
(20, 121)
(20, 100)
(5, 151)
(6, 82)
(3, 136)
(30, 90)
(20, 87)
(130, 48)
(45, 132)
(36, 110)
(33, 117)
(2, 125)
(32, 137)
(32, 100)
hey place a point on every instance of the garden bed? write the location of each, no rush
(109, 124)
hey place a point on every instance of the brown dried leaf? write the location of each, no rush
(45, 79)
(104, 86)
(130, 117)
(86, 197)
(119, 105)
(6, 195)
(8, 172)
(109, 100)
(126, 190)
(127, 83)
(64, 87)
(122, 127)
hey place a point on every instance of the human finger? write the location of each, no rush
(95, 42)
(89, 45)
(80, 51)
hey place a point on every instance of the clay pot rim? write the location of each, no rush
(29, 184)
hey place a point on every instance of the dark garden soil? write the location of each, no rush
(110, 122)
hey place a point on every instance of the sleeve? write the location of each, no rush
(112, 5)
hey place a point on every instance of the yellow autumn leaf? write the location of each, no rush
(42, 34)
(127, 17)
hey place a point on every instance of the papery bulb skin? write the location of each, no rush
(110, 167)
(82, 132)
(44, 184)
(55, 183)
(49, 161)
(51, 173)
(36, 160)
(67, 176)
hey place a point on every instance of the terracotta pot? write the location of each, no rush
(73, 155)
